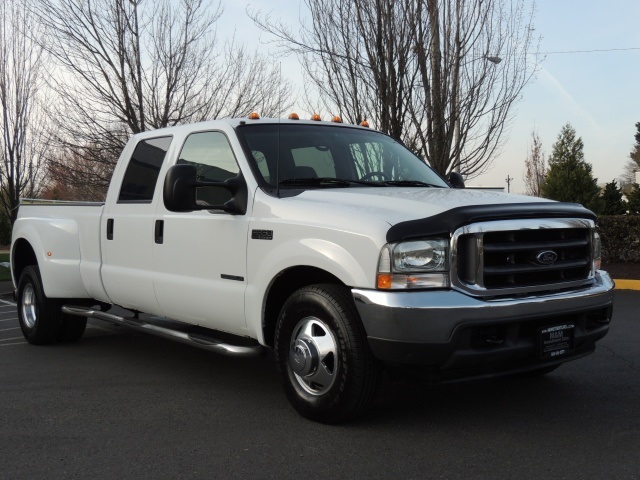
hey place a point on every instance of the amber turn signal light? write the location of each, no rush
(384, 281)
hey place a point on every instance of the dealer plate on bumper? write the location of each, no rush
(556, 341)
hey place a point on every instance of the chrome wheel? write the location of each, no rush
(313, 355)
(39, 316)
(28, 306)
(328, 372)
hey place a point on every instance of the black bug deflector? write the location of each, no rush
(446, 222)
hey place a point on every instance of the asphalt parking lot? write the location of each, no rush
(120, 404)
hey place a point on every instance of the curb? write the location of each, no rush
(627, 284)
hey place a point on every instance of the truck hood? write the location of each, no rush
(395, 205)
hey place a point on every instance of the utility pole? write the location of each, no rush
(508, 180)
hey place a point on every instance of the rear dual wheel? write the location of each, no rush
(328, 371)
(41, 319)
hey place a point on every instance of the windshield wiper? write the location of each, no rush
(328, 182)
(411, 183)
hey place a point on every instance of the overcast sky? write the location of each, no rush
(598, 92)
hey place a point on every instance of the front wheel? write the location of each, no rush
(328, 371)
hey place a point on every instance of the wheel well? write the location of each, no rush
(283, 286)
(23, 256)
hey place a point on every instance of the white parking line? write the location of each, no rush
(4, 302)
(8, 339)
(7, 329)
(9, 344)
(8, 319)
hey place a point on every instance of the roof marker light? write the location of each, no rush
(254, 116)
(294, 116)
(336, 119)
(315, 117)
(364, 123)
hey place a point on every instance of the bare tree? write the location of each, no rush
(535, 169)
(21, 127)
(131, 65)
(628, 176)
(78, 177)
(355, 54)
(632, 166)
(441, 75)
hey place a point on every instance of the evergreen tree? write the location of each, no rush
(570, 177)
(635, 154)
(612, 202)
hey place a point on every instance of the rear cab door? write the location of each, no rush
(127, 226)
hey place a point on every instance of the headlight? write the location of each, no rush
(423, 255)
(415, 264)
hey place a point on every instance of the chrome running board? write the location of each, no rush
(200, 341)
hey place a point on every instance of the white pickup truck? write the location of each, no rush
(331, 244)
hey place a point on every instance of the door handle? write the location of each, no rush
(159, 231)
(110, 229)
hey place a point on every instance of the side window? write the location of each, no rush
(142, 172)
(214, 160)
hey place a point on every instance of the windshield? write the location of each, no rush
(324, 156)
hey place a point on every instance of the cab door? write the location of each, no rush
(200, 256)
(127, 229)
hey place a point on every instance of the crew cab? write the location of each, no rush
(331, 245)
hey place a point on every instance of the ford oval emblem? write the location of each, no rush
(546, 257)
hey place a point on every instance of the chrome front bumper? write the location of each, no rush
(431, 327)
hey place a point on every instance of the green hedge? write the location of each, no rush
(620, 238)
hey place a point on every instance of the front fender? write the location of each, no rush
(267, 261)
(319, 253)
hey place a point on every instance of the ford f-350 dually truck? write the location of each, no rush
(330, 244)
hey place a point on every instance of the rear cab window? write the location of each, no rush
(143, 169)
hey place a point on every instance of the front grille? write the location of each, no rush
(511, 258)
(522, 256)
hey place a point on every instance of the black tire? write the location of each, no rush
(39, 316)
(328, 371)
(71, 328)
